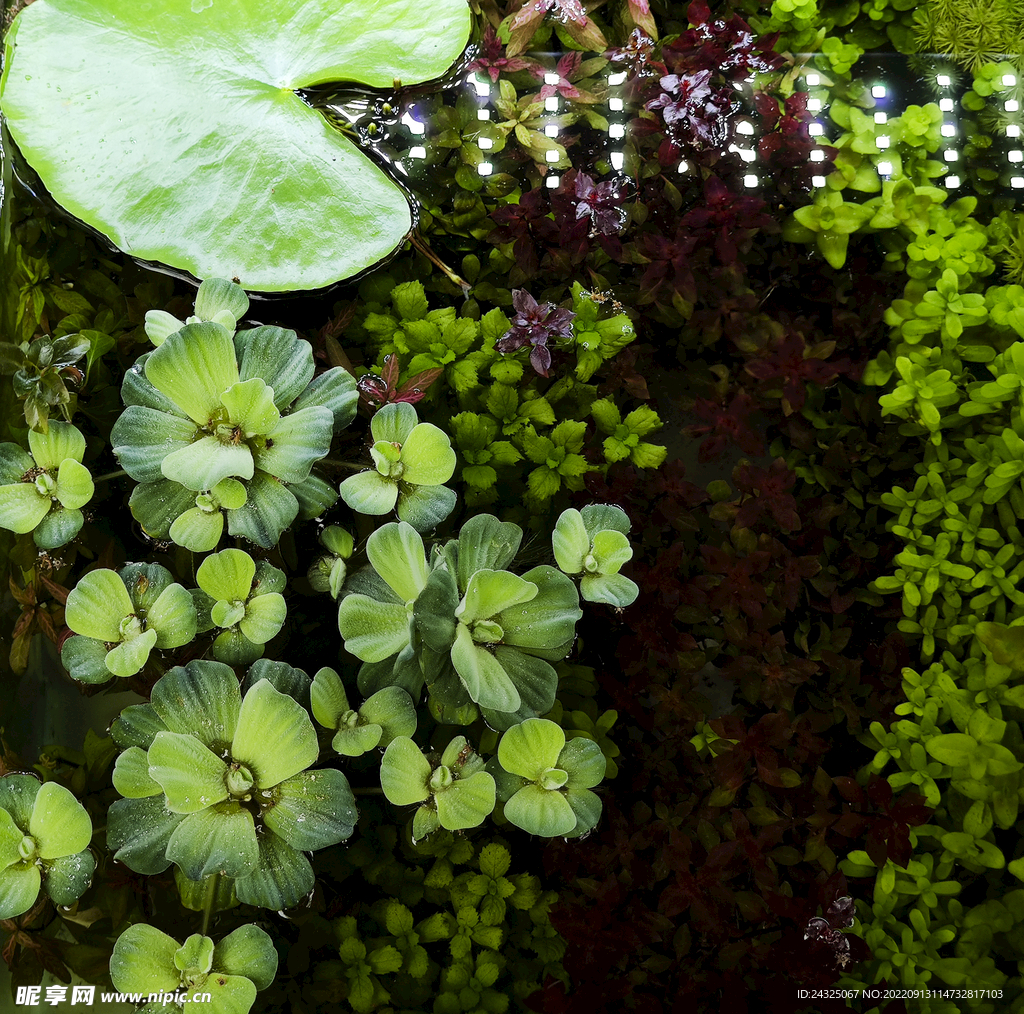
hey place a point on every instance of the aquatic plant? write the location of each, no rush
(412, 461)
(147, 961)
(591, 544)
(120, 617)
(211, 763)
(44, 835)
(154, 199)
(221, 429)
(242, 598)
(44, 491)
(455, 792)
(544, 783)
(472, 631)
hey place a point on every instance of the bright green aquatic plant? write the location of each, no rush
(456, 792)
(43, 492)
(545, 783)
(205, 765)
(591, 544)
(220, 429)
(475, 633)
(412, 461)
(243, 598)
(147, 961)
(44, 842)
(381, 718)
(121, 617)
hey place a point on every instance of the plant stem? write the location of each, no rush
(337, 463)
(110, 475)
(421, 245)
(368, 790)
(211, 894)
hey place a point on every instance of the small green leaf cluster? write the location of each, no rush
(412, 461)
(226, 427)
(215, 780)
(44, 491)
(459, 941)
(396, 318)
(624, 437)
(327, 573)
(597, 340)
(241, 598)
(380, 719)
(544, 782)
(120, 617)
(479, 637)
(591, 544)
(44, 842)
(147, 961)
(504, 422)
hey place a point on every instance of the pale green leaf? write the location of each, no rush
(531, 748)
(191, 775)
(369, 492)
(313, 809)
(275, 738)
(540, 811)
(404, 773)
(193, 368)
(220, 838)
(206, 462)
(130, 656)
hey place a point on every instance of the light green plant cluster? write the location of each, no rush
(222, 428)
(456, 928)
(44, 491)
(506, 419)
(478, 636)
(204, 764)
(147, 961)
(958, 364)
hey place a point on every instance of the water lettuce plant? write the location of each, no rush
(120, 617)
(44, 491)
(545, 783)
(455, 792)
(209, 766)
(155, 199)
(148, 961)
(44, 841)
(381, 718)
(243, 598)
(327, 573)
(225, 429)
(591, 544)
(473, 631)
(412, 460)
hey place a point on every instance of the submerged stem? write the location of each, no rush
(338, 463)
(110, 475)
(421, 245)
(211, 894)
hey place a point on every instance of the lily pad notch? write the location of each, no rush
(177, 132)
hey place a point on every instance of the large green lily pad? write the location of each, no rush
(174, 128)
